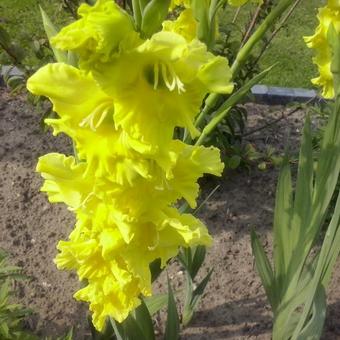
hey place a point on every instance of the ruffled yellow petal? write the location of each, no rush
(64, 179)
(107, 298)
(185, 25)
(161, 85)
(192, 164)
(180, 231)
(86, 115)
(102, 30)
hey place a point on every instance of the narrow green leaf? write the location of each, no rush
(118, 329)
(144, 321)
(304, 184)
(51, 31)
(137, 13)
(196, 295)
(156, 302)
(314, 327)
(4, 292)
(264, 268)
(172, 323)
(142, 4)
(197, 260)
(225, 108)
(132, 329)
(282, 222)
(185, 257)
(206, 200)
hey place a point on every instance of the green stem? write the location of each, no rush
(245, 52)
(268, 22)
(209, 105)
(228, 104)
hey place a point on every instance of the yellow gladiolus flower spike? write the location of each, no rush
(121, 108)
(329, 15)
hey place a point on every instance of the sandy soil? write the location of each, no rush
(234, 306)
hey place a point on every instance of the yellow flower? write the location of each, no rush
(64, 180)
(86, 115)
(102, 30)
(327, 16)
(117, 272)
(111, 288)
(185, 25)
(68, 182)
(161, 84)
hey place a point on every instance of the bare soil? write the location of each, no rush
(234, 306)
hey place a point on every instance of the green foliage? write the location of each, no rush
(296, 284)
(22, 20)
(295, 60)
(172, 324)
(192, 260)
(11, 315)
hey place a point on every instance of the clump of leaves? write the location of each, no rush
(11, 315)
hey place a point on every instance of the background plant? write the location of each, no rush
(303, 256)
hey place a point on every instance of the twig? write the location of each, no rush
(275, 121)
(275, 32)
(251, 25)
(236, 14)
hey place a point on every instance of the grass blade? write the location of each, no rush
(264, 268)
(196, 295)
(144, 321)
(156, 302)
(172, 324)
(282, 222)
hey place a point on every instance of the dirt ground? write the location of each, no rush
(234, 306)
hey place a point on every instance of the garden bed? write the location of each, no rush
(234, 306)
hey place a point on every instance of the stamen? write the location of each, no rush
(82, 204)
(102, 117)
(171, 86)
(156, 76)
(101, 109)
